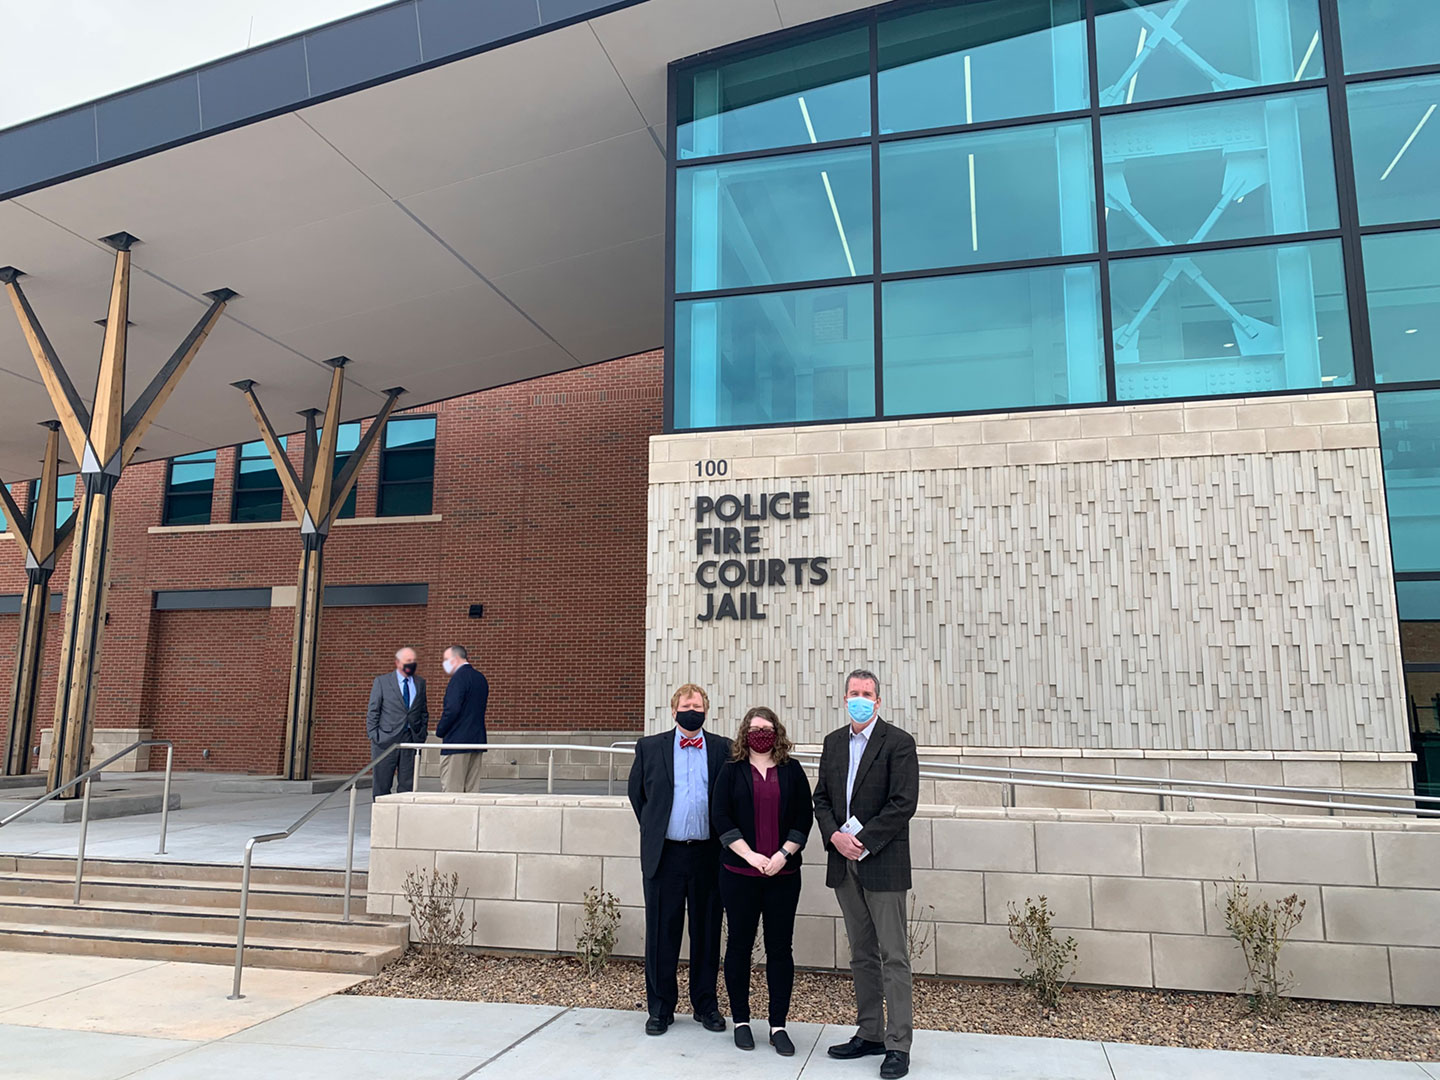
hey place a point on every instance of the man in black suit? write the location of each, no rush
(462, 721)
(866, 794)
(398, 712)
(680, 859)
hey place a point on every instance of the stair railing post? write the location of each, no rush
(350, 849)
(165, 798)
(550, 774)
(84, 828)
(235, 994)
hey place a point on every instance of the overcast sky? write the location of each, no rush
(58, 53)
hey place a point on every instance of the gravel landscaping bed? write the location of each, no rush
(1151, 1017)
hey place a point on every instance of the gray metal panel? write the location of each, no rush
(211, 599)
(10, 603)
(376, 595)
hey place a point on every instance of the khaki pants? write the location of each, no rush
(878, 929)
(460, 772)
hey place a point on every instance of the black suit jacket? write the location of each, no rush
(652, 789)
(732, 807)
(887, 791)
(463, 719)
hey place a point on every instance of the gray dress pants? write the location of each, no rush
(878, 929)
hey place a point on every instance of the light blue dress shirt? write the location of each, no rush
(859, 740)
(690, 812)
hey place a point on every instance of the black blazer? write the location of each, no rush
(887, 791)
(732, 807)
(652, 789)
(463, 719)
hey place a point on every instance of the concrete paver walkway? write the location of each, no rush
(82, 1018)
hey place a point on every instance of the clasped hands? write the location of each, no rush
(767, 865)
(847, 845)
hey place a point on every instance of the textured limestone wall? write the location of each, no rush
(1206, 577)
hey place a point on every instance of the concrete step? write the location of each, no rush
(186, 871)
(210, 894)
(198, 948)
(166, 919)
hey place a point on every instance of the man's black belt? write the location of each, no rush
(669, 841)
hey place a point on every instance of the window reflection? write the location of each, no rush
(776, 219)
(1231, 322)
(775, 358)
(993, 341)
(1021, 193)
(1380, 34)
(1154, 49)
(1395, 134)
(1410, 452)
(1402, 280)
(1255, 167)
(982, 61)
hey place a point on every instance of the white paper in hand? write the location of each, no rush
(852, 828)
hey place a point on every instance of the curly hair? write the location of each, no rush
(740, 751)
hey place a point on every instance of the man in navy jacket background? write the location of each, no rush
(462, 721)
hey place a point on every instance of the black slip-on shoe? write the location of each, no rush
(895, 1065)
(657, 1025)
(712, 1020)
(856, 1048)
(744, 1040)
(782, 1044)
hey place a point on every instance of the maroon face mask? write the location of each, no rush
(761, 740)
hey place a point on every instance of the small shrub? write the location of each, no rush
(1050, 962)
(597, 930)
(1261, 931)
(920, 929)
(437, 914)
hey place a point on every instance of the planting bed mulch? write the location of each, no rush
(1156, 1018)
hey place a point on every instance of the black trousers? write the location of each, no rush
(398, 766)
(746, 899)
(684, 883)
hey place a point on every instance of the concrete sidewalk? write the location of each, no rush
(134, 1034)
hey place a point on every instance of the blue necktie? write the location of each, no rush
(405, 691)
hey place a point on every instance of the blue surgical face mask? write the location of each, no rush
(860, 709)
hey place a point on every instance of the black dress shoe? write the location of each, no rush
(895, 1065)
(712, 1020)
(782, 1044)
(856, 1048)
(743, 1039)
(657, 1025)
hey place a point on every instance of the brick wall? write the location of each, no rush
(541, 491)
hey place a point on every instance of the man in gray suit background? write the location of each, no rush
(398, 713)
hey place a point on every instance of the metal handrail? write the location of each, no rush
(1171, 790)
(350, 785)
(86, 776)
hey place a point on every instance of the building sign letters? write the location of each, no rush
(733, 555)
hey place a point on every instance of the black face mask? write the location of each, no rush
(408, 669)
(690, 719)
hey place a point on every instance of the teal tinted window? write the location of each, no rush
(1396, 139)
(258, 494)
(992, 196)
(64, 498)
(407, 467)
(1410, 452)
(1231, 322)
(990, 60)
(993, 340)
(815, 91)
(775, 358)
(1174, 48)
(796, 217)
(1419, 600)
(1380, 34)
(189, 489)
(346, 441)
(1402, 281)
(5, 521)
(1253, 167)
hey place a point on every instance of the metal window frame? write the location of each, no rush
(1349, 232)
(278, 489)
(170, 485)
(385, 451)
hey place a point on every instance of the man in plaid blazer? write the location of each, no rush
(870, 776)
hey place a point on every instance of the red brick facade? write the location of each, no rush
(541, 492)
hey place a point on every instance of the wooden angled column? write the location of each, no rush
(103, 440)
(43, 545)
(316, 496)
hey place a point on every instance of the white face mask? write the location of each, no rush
(448, 665)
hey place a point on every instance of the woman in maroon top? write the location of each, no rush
(760, 806)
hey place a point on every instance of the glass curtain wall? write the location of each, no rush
(1007, 204)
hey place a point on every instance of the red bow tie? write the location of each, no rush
(698, 742)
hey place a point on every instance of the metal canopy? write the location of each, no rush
(490, 219)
